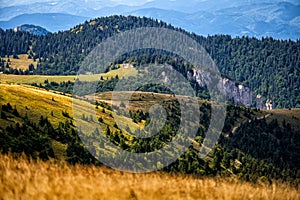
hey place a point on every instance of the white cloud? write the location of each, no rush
(6, 3)
(131, 2)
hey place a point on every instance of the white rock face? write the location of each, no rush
(239, 94)
(269, 105)
(259, 102)
(127, 65)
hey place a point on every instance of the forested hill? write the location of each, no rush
(269, 67)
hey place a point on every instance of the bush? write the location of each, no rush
(3, 115)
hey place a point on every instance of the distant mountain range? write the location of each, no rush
(50, 21)
(281, 20)
(254, 18)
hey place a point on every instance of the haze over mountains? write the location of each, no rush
(279, 19)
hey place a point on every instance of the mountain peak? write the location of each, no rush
(35, 30)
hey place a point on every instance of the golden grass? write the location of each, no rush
(111, 74)
(139, 100)
(29, 79)
(22, 63)
(121, 72)
(37, 102)
(23, 179)
(38, 79)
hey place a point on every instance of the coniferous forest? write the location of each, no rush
(269, 67)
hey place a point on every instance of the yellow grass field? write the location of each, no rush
(21, 63)
(39, 79)
(38, 180)
(29, 79)
(36, 102)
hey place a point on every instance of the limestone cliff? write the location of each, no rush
(269, 105)
(238, 93)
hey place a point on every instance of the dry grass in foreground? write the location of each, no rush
(20, 179)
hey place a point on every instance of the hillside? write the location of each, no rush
(62, 136)
(268, 67)
(89, 182)
(40, 79)
(46, 120)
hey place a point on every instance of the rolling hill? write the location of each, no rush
(256, 64)
(51, 21)
(45, 118)
(51, 134)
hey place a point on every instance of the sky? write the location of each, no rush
(5, 3)
(132, 2)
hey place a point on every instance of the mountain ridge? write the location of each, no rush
(51, 21)
(277, 19)
(258, 64)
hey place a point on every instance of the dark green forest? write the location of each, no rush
(269, 67)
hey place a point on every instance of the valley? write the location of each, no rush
(58, 130)
(35, 102)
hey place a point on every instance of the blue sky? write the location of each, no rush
(6, 3)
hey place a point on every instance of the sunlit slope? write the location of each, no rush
(30, 79)
(50, 180)
(35, 102)
(40, 79)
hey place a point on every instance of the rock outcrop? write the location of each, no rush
(269, 105)
(259, 102)
(239, 94)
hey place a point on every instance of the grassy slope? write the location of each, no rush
(21, 179)
(36, 102)
(29, 79)
(21, 63)
(139, 100)
(26, 182)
